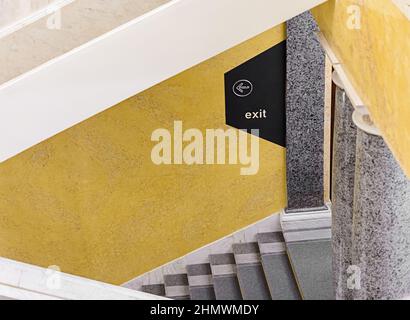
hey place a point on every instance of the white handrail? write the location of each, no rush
(128, 60)
(22, 21)
(27, 282)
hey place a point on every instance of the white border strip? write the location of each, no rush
(33, 17)
(307, 215)
(176, 291)
(223, 269)
(329, 52)
(272, 247)
(12, 293)
(307, 225)
(312, 223)
(307, 235)
(245, 258)
(201, 280)
(128, 60)
(224, 245)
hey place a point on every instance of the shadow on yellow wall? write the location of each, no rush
(91, 201)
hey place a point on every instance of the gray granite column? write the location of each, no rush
(343, 172)
(381, 222)
(305, 114)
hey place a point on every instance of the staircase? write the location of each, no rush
(253, 264)
(253, 271)
(87, 78)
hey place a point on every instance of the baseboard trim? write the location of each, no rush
(307, 225)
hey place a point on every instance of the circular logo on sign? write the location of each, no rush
(242, 88)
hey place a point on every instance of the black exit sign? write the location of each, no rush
(255, 94)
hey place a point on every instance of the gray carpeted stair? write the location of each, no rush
(312, 264)
(277, 268)
(156, 289)
(177, 286)
(224, 277)
(254, 271)
(252, 280)
(200, 282)
(309, 247)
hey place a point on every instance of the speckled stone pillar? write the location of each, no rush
(305, 114)
(381, 223)
(343, 173)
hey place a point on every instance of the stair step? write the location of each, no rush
(224, 276)
(200, 282)
(251, 276)
(277, 268)
(312, 264)
(156, 289)
(176, 286)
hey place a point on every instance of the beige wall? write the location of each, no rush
(13, 10)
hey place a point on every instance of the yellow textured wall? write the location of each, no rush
(91, 201)
(377, 59)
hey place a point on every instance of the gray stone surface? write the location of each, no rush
(381, 233)
(343, 173)
(156, 289)
(251, 277)
(227, 287)
(279, 276)
(181, 298)
(198, 269)
(276, 266)
(176, 286)
(200, 282)
(202, 293)
(176, 280)
(222, 259)
(270, 237)
(245, 248)
(225, 280)
(252, 282)
(305, 114)
(312, 264)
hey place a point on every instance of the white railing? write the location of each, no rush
(128, 60)
(17, 14)
(27, 282)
